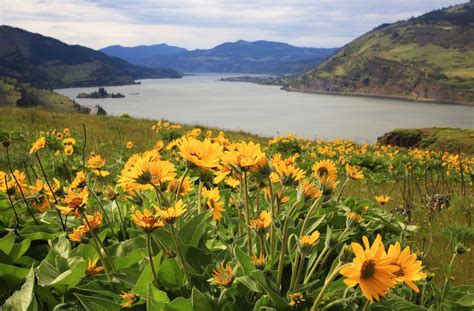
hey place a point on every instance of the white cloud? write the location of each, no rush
(206, 23)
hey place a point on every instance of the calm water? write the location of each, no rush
(267, 110)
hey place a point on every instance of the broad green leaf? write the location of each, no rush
(248, 282)
(19, 249)
(180, 304)
(201, 301)
(155, 297)
(12, 276)
(146, 277)
(467, 300)
(6, 243)
(23, 299)
(244, 260)
(197, 258)
(192, 231)
(61, 246)
(40, 232)
(129, 252)
(170, 274)
(96, 287)
(95, 303)
(393, 302)
(278, 301)
(48, 275)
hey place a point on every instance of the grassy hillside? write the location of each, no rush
(430, 57)
(15, 94)
(47, 62)
(442, 139)
(439, 227)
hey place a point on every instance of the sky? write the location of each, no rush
(206, 23)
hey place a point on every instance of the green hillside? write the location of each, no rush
(15, 94)
(430, 58)
(50, 63)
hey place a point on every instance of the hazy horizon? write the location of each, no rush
(206, 23)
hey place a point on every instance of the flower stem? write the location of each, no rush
(247, 215)
(14, 210)
(150, 258)
(28, 207)
(313, 207)
(199, 203)
(300, 271)
(180, 256)
(99, 243)
(315, 265)
(181, 183)
(327, 282)
(342, 189)
(272, 229)
(103, 211)
(122, 222)
(50, 189)
(281, 262)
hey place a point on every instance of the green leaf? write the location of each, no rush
(19, 249)
(170, 274)
(61, 246)
(40, 232)
(96, 288)
(201, 301)
(146, 277)
(6, 243)
(248, 282)
(192, 231)
(467, 300)
(48, 275)
(278, 301)
(129, 252)
(12, 276)
(180, 304)
(155, 297)
(23, 299)
(393, 302)
(244, 261)
(95, 303)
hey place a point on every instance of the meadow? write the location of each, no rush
(110, 213)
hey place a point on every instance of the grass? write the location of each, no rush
(108, 136)
(47, 99)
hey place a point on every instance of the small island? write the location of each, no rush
(100, 93)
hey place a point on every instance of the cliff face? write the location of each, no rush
(426, 58)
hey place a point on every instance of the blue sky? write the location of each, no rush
(206, 23)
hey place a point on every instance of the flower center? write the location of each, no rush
(75, 203)
(149, 220)
(322, 171)
(368, 269)
(400, 271)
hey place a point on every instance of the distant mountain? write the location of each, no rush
(135, 54)
(430, 57)
(238, 57)
(47, 62)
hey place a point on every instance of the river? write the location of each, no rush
(267, 110)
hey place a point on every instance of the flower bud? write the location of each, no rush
(6, 143)
(461, 249)
(346, 254)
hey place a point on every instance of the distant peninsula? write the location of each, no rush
(100, 93)
(263, 80)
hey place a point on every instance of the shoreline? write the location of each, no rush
(394, 97)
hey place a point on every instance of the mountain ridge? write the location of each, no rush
(50, 63)
(241, 56)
